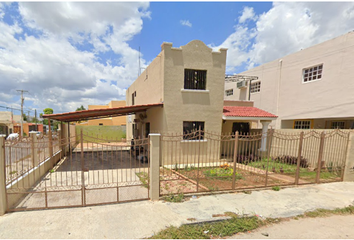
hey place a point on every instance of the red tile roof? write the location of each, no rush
(240, 111)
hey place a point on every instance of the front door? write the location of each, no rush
(241, 127)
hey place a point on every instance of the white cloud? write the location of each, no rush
(286, 28)
(53, 69)
(247, 13)
(186, 23)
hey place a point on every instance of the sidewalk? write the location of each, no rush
(142, 219)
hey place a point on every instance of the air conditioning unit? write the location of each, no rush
(241, 84)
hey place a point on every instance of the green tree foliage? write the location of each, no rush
(80, 108)
(48, 111)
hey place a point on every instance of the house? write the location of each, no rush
(188, 82)
(28, 127)
(8, 121)
(309, 89)
(111, 121)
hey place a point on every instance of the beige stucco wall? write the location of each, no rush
(193, 105)
(115, 121)
(149, 89)
(284, 94)
(238, 103)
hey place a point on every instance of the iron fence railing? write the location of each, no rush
(213, 162)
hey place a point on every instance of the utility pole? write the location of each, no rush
(22, 100)
(35, 117)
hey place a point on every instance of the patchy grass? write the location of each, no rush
(325, 212)
(290, 169)
(174, 197)
(144, 178)
(210, 230)
(235, 225)
(276, 188)
(225, 173)
(104, 133)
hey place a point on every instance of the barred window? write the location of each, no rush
(195, 79)
(302, 125)
(336, 125)
(190, 127)
(255, 87)
(229, 92)
(312, 73)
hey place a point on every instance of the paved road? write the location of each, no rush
(142, 219)
(334, 227)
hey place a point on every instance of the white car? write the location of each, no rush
(38, 133)
(13, 136)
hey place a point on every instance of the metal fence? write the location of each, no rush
(23, 155)
(76, 173)
(203, 162)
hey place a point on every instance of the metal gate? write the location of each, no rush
(80, 172)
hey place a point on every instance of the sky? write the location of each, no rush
(68, 54)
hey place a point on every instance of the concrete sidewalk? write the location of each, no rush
(142, 219)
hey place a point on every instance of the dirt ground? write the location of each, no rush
(334, 227)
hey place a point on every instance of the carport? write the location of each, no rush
(102, 174)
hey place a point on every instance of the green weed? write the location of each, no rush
(144, 178)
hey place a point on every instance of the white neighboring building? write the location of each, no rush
(312, 88)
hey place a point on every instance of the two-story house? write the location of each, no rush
(312, 88)
(189, 83)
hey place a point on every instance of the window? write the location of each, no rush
(194, 79)
(189, 127)
(100, 124)
(147, 129)
(133, 98)
(339, 125)
(312, 73)
(229, 92)
(302, 125)
(255, 87)
(240, 127)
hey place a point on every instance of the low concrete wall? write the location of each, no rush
(349, 165)
(29, 180)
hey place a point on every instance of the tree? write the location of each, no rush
(24, 117)
(80, 108)
(48, 111)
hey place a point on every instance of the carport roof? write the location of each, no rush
(99, 113)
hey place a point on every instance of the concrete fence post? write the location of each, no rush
(34, 147)
(3, 203)
(154, 191)
(349, 162)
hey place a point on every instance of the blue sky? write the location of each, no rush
(68, 54)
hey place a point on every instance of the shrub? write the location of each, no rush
(245, 159)
(291, 160)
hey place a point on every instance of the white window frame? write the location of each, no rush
(255, 87)
(309, 73)
(229, 92)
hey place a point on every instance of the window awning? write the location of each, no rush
(100, 113)
(246, 113)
